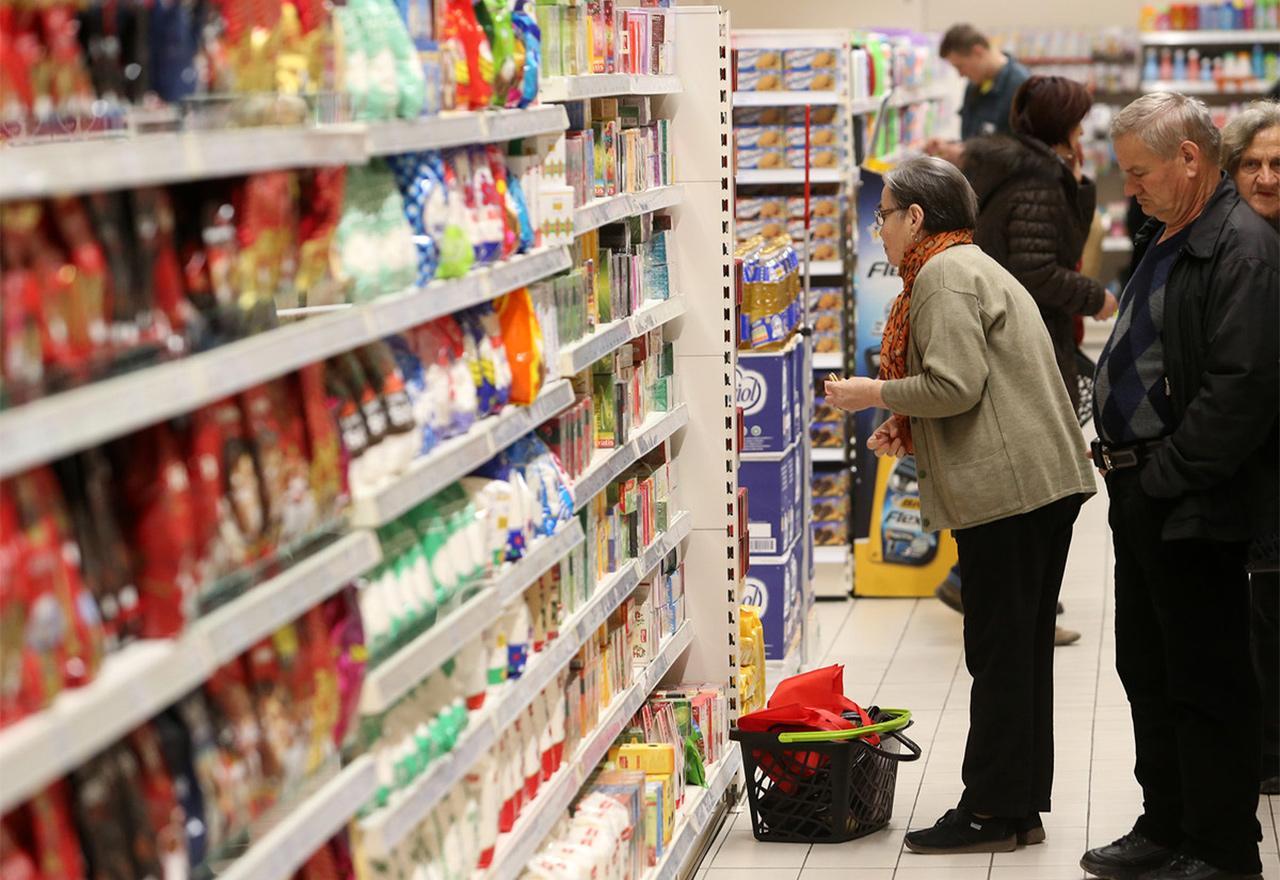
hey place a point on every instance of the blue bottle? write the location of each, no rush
(1259, 65)
(1151, 70)
(1180, 65)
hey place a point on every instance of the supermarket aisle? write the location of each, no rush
(908, 653)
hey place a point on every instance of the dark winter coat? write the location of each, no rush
(1034, 219)
(1219, 470)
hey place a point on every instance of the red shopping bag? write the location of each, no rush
(821, 689)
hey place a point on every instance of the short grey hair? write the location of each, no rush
(941, 191)
(1163, 120)
(1240, 132)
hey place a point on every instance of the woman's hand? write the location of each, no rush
(854, 394)
(888, 440)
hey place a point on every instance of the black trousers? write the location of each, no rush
(1182, 651)
(1265, 587)
(1012, 573)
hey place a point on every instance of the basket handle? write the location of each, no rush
(901, 718)
(912, 747)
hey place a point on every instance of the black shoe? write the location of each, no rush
(1186, 868)
(959, 831)
(1127, 858)
(1030, 830)
(948, 592)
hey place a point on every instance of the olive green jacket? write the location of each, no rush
(995, 434)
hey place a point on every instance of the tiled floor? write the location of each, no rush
(908, 653)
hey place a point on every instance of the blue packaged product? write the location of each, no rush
(422, 188)
(528, 32)
(520, 207)
(415, 385)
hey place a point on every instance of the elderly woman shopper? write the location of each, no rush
(968, 371)
(1251, 156)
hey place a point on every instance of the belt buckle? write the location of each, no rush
(1106, 460)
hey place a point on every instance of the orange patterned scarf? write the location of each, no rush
(897, 330)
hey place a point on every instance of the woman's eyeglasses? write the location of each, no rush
(880, 214)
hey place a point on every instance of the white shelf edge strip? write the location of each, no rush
(824, 360)
(458, 456)
(578, 355)
(826, 267)
(699, 815)
(606, 467)
(1210, 37)
(761, 176)
(285, 848)
(601, 85)
(385, 829)
(149, 676)
(404, 670)
(69, 167)
(547, 809)
(831, 555)
(611, 209)
(460, 129)
(788, 99)
(52, 427)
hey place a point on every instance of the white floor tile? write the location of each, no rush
(880, 850)
(940, 872)
(846, 874)
(753, 873)
(741, 850)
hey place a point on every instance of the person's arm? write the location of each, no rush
(1033, 236)
(1233, 412)
(948, 329)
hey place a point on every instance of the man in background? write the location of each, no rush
(993, 78)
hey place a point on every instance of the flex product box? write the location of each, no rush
(766, 393)
(772, 481)
(775, 588)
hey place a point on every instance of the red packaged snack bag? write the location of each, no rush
(510, 223)
(324, 445)
(224, 812)
(118, 840)
(248, 760)
(347, 638)
(156, 786)
(89, 488)
(472, 54)
(25, 676)
(17, 859)
(322, 197)
(299, 514)
(262, 425)
(160, 268)
(215, 436)
(321, 866)
(313, 681)
(63, 625)
(21, 355)
(160, 524)
(283, 732)
(267, 245)
(57, 850)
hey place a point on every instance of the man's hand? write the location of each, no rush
(1110, 305)
(888, 440)
(853, 394)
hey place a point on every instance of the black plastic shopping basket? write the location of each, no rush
(824, 786)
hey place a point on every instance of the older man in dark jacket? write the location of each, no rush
(1186, 409)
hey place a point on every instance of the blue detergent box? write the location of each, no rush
(774, 491)
(766, 392)
(774, 586)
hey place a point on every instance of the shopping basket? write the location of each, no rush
(824, 786)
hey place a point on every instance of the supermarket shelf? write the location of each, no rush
(1210, 38)
(47, 429)
(826, 267)
(385, 829)
(404, 670)
(766, 176)
(608, 464)
(1117, 244)
(460, 129)
(307, 826)
(787, 99)
(828, 360)
(677, 530)
(825, 455)
(540, 817)
(831, 555)
(578, 356)
(863, 106)
(148, 676)
(1197, 87)
(70, 167)
(457, 457)
(697, 816)
(604, 85)
(611, 209)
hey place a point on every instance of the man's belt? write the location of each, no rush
(1116, 458)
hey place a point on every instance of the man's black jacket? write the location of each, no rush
(1220, 468)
